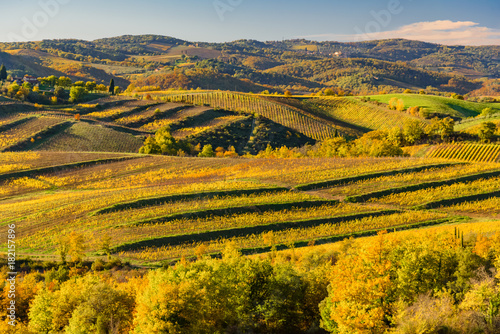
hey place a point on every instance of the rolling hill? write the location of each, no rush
(285, 241)
(247, 65)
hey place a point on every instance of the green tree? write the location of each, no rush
(40, 313)
(3, 73)
(90, 86)
(64, 82)
(111, 89)
(167, 143)
(163, 143)
(446, 127)
(77, 93)
(103, 309)
(487, 131)
(59, 92)
(207, 151)
(395, 136)
(150, 146)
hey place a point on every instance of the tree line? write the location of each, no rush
(401, 283)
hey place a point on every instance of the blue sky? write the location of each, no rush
(441, 21)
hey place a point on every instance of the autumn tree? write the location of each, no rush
(83, 305)
(400, 105)
(26, 287)
(76, 246)
(106, 245)
(219, 151)
(412, 131)
(393, 103)
(101, 88)
(63, 248)
(231, 152)
(360, 291)
(334, 147)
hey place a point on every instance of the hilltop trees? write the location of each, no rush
(90, 86)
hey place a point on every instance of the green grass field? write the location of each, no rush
(439, 104)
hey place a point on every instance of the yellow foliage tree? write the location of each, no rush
(358, 298)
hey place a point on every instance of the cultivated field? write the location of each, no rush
(158, 208)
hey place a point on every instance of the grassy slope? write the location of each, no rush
(439, 104)
(473, 125)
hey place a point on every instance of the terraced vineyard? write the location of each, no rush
(27, 129)
(121, 109)
(121, 124)
(158, 208)
(308, 125)
(144, 117)
(466, 152)
(85, 137)
(355, 112)
(206, 126)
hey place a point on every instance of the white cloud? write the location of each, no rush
(441, 32)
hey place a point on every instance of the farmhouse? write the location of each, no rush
(17, 80)
(30, 79)
(27, 78)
